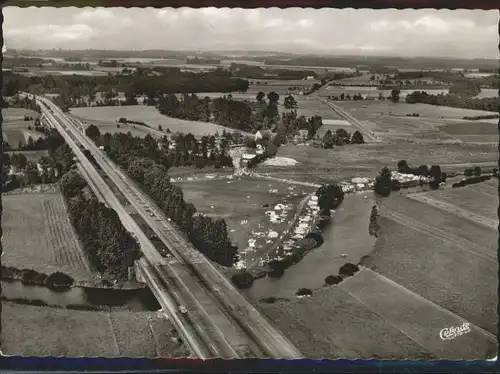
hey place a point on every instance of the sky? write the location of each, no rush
(405, 33)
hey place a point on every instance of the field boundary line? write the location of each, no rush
(83, 255)
(456, 210)
(431, 303)
(398, 217)
(475, 188)
(382, 318)
(113, 334)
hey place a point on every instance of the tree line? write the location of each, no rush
(384, 183)
(147, 162)
(240, 115)
(109, 247)
(178, 150)
(80, 90)
(341, 137)
(491, 104)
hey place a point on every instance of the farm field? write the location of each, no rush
(17, 114)
(93, 334)
(50, 244)
(15, 129)
(347, 162)
(469, 199)
(240, 203)
(334, 125)
(185, 172)
(390, 120)
(107, 117)
(309, 106)
(362, 79)
(471, 131)
(330, 323)
(487, 92)
(369, 108)
(477, 237)
(437, 263)
(417, 317)
(16, 137)
(373, 92)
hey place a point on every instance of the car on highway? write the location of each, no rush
(183, 309)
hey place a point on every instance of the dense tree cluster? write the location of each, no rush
(292, 123)
(434, 172)
(179, 150)
(465, 89)
(209, 236)
(225, 111)
(383, 182)
(348, 270)
(17, 102)
(290, 102)
(33, 277)
(330, 196)
(373, 226)
(147, 162)
(341, 137)
(491, 104)
(60, 159)
(110, 248)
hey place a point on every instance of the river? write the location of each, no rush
(347, 234)
(135, 300)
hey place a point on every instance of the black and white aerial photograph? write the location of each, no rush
(262, 183)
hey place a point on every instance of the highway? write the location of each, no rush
(219, 315)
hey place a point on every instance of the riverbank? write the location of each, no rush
(32, 277)
(346, 239)
(79, 298)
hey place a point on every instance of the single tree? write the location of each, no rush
(395, 95)
(357, 138)
(260, 97)
(290, 102)
(273, 97)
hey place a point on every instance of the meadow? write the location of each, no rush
(15, 129)
(471, 131)
(418, 318)
(330, 323)
(37, 235)
(93, 334)
(444, 258)
(367, 108)
(465, 202)
(365, 160)
(105, 118)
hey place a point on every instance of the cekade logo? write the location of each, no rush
(449, 333)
